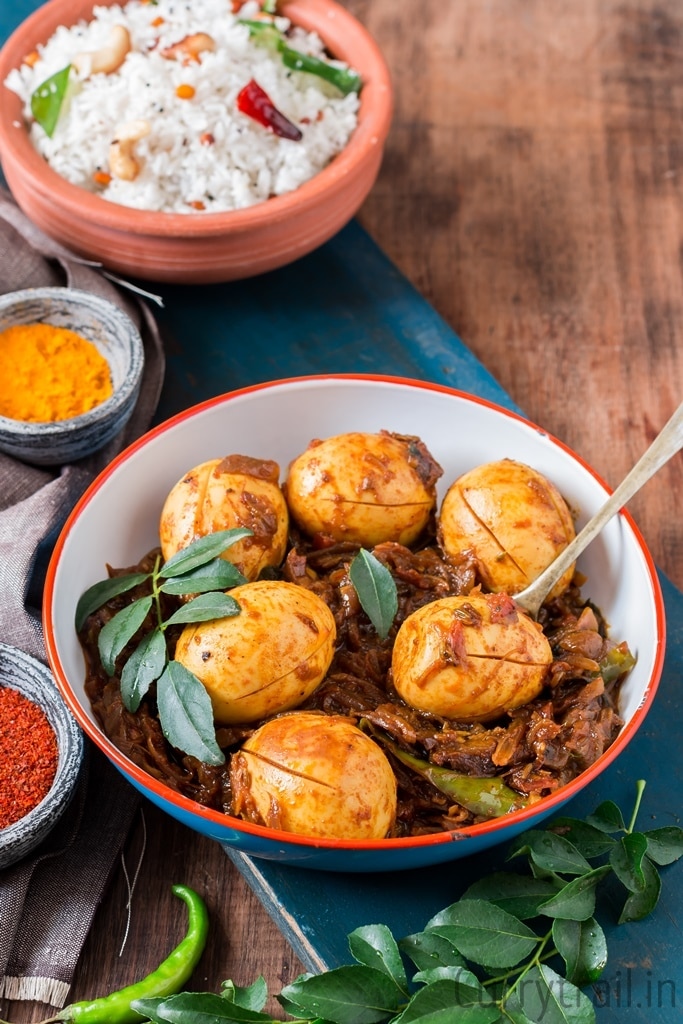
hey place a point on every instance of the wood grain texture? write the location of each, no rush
(531, 191)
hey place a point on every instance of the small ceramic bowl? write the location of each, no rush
(114, 335)
(33, 680)
(116, 522)
(199, 248)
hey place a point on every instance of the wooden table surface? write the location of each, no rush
(532, 191)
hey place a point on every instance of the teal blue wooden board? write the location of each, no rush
(344, 309)
(347, 308)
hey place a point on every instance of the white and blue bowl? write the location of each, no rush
(116, 522)
(27, 675)
(114, 335)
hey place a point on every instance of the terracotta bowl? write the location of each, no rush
(117, 522)
(201, 248)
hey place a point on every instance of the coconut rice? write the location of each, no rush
(197, 151)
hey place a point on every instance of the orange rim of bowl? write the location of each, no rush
(376, 108)
(217, 818)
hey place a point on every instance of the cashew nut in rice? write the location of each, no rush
(189, 48)
(109, 58)
(122, 161)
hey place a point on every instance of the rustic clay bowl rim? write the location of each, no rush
(356, 46)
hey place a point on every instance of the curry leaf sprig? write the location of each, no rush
(518, 947)
(199, 573)
(196, 572)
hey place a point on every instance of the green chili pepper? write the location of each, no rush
(167, 979)
(264, 32)
(617, 661)
(490, 798)
(344, 79)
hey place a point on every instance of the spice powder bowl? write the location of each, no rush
(115, 337)
(33, 680)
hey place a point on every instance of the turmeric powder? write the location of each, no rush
(50, 373)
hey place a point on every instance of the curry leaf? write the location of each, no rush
(462, 975)
(203, 550)
(640, 904)
(291, 1007)
(550, 852)
(345, 995)
(428, 950)
(546, 998)
(252, 997)
(607, 818)
(201, 1008)
(97, 595)
(664, 845)
(626, 860)
(144, 667)
(376, 590)
(484, 933)
(583, 947)
(514, 1013)
(149, 1008)
(205, 608)
(590, 841)
(116, 633)
(47, 100)
(576, 901)
(375, 946)
(451, 1000)
(186, 714)
(218, 574)
(520, 895)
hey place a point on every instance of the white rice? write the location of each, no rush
(246, 163)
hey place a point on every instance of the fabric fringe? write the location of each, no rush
(39, 990)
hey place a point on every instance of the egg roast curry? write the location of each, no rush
(313, 708)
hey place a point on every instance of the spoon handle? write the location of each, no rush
(667, 443)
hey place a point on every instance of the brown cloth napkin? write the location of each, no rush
(47, 900)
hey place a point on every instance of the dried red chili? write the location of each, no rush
(28, 755)
(255, 102)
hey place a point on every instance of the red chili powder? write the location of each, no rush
(28, 755)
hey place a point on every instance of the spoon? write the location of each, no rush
(667, 443)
